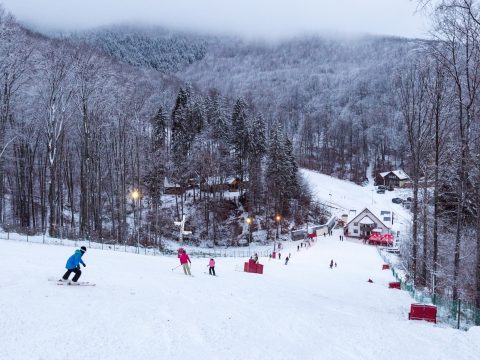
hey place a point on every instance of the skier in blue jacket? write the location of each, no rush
(73, 265)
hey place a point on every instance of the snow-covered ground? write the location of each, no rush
(141, 309)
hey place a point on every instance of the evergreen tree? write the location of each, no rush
(180, 134)
(159, 130)
(256, 153)
(239, 137)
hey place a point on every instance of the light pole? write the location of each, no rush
(249, 222)
(372, 197)
(278, 218)
(135, 194)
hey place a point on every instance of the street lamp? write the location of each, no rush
(249, 221)
(278, 218)
(135, 194)
(330, 199)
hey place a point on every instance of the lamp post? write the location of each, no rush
(249, 222)
(135, 194)
(278, 218)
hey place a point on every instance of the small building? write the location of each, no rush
(395, 178)
(233, 184)
(299, 234)
(364, 224)
(217, 184)
(172, 188)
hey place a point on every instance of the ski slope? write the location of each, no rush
(140, 309)
(341, 196)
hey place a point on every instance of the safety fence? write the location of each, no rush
(456, 313)
(137, 248)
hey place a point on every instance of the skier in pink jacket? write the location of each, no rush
(185, 261)
(211, 265)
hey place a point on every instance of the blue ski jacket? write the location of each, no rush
(74, 260)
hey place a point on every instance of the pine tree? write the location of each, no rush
(239, 137)
(256, 153)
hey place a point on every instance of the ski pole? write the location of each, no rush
(175, 267)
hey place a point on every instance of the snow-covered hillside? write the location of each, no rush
(342, 196)
(140, 309)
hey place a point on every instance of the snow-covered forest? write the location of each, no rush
(89, 118)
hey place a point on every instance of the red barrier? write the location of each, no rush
(274, 254)
(423, 312)
(252, 267)
(259, 269)
(394, 285)
(385, 267)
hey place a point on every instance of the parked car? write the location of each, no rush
(381, 191)
(391, 188)
(397, 200)
(382, 187)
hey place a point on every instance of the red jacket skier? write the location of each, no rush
(185, 261)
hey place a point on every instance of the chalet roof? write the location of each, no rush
(372, 218)
(168, 184)
(400, 174)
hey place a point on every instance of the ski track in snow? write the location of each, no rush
(140, 309)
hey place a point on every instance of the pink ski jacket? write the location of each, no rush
(184, 258)
(211, 263)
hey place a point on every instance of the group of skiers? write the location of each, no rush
(74, 261)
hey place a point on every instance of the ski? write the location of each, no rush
(78, 283)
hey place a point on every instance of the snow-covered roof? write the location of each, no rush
(366, 216)
(366, 221)
(168, 184)
(400, 174)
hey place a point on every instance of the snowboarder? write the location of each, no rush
(211, 265)
(298, 247)
(331, 264)
(73, 265)
(286, 260)
(184, 261)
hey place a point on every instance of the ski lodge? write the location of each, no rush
(366, 222)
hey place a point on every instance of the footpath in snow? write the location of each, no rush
(140, 309)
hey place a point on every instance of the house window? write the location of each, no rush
(386, 219)
(355, 231)
(355, 224)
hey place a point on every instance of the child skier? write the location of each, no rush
(211, 265)
(331, 264)
(73, 265)
(184, 261)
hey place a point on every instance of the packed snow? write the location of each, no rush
(142, 309)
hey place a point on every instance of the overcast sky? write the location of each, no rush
(252, 18)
